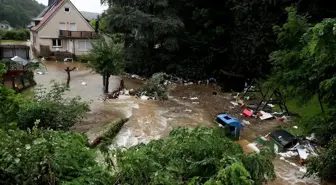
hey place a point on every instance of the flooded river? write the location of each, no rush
(155, 119)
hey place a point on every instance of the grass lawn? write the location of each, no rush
(310, 109)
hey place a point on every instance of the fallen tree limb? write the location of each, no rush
(107, 135)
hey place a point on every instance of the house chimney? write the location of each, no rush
(51, 2)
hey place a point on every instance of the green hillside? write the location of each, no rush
(19, 12)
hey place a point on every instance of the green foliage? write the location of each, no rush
(9, 102)
(9, 105)
(2, 70)
(29, 75)
(305, 60)
(107, 56)
(110, 133)
(324, 165)
(192, 156)
(83, 58)
(156, 86)
(323, 125)
(18, 13)
(201, 38)
(54, 111)
(48, 157)
(18, 34)
(150, 29)
(102, 24)
(234, 172)
(305, 66)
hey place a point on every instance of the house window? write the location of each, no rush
(62, 26)
(67, 9)
(84, 45)
(56, 43)
(73, 27)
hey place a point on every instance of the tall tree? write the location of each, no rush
(107, 58)
(150, 29)
(305, 66)
(306, 58)
(234, 36)
(19, 12)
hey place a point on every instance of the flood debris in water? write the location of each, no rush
(155, 88)
(292, 150)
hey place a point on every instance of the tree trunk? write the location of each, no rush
(106, 83)
(104, 79)
(68, 70)
(68, 79)
(320, 101)
(122, 85)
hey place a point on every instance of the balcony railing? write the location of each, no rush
(77, 34)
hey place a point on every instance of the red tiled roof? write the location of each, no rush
(48, 15)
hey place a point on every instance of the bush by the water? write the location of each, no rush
(324, 165)
(156, 86)
(54, 111)
(48, 157)
(192, 156)
(187, 156)
(16, 34)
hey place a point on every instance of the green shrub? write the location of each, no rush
(17, 34)
(192, 156)
(325, 164)
(54, 111)
(9, 105)
(156, 87)
(82, 58)
(48, 157)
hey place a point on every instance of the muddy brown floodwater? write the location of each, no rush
(155, 119)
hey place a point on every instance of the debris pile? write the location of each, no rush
(289, 147)
(155, 88)
(172, 79)
(259, 109)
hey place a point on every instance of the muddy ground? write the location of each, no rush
(155, 119)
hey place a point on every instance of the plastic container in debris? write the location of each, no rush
(231, 125)
(282, 140)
